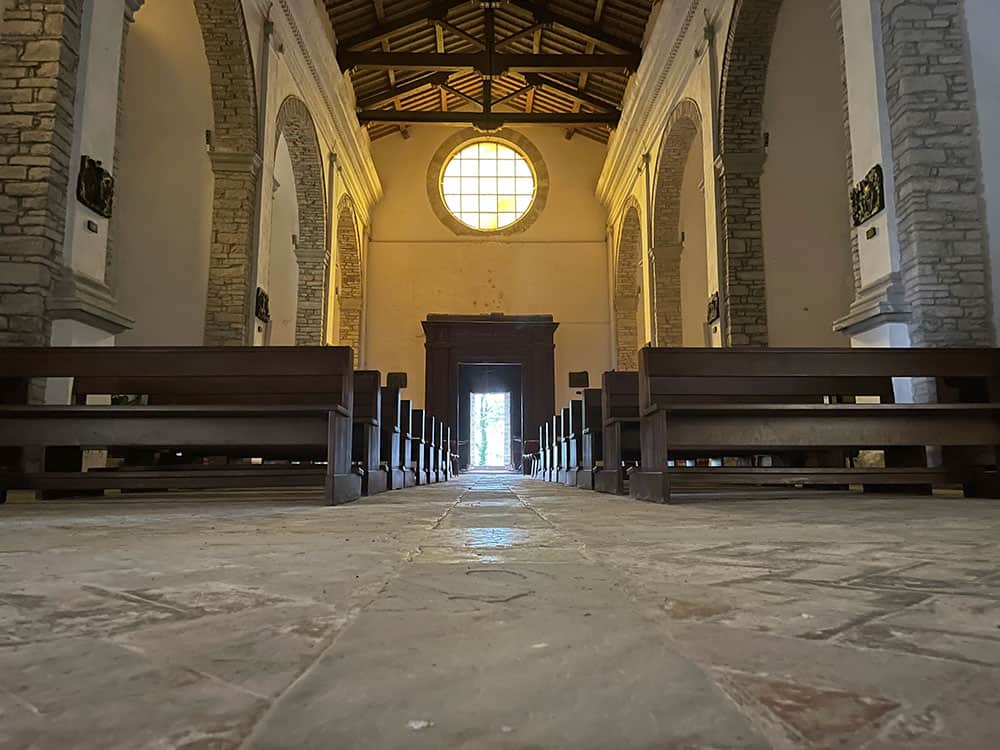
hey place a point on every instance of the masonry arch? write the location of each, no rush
(628, 305)
(776, 198)
(682, 135)
(295, 125)
(349, 285)
(236, 162)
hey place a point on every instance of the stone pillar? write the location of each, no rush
(669, 323)
(38, 67)
(310, 324)
(745, 297)
(944, 262)
(228, 298)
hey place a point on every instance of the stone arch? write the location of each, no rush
(741, 162)
(683, 126)
(350, 287)
(628, 269)
(236, 164)
(312, 251)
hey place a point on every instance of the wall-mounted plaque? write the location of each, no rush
(262, 307)
(868, 198)
(713, 308)
(579, 380)
(95, 187)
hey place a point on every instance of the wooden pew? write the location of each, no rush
(430, 473)
(420, 433)
(529, 459)
(591, 440)
(367, 436)
(283, 402)
(620, 430)
(783, 418)
(391, 437)
(572, 441)
(555, 448)
(544, 458)
(406, 443)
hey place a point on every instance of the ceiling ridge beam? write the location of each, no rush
(489, 120)
(433, 61)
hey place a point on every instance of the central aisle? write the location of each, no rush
(501, 631)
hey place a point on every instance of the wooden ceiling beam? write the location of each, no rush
(490, 120)
(574, 94)
(460, 33)
(543, 14)
(513, 95)
(480, 62)
(438, 10)
(517, 35)
(461, 94)
(407, 87)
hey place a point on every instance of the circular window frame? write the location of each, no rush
(465, 138)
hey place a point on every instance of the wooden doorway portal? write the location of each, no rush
(527, 341)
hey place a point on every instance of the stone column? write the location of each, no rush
(310, 325)
(745, 299)
(669, 323)
(38, 67)
(937, 169)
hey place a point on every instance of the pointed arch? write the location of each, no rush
(236, 164)
(350, 286)
(312, 252)
(682, 129)
(628, 269)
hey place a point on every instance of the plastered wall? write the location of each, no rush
(417, 266)
(694, 259)
(804, 200)
(281, 278)
(164, 192)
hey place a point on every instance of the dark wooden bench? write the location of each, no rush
(555, 450)
(544, 458)
(591, 440)
(391, 441)
(432, 459)
(572, 425)
(406, 442)
(619, 430)
(420, 432)
(366, 444)
(293, 403)
(730, 402)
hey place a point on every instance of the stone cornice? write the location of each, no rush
(654, 91)
(883, 301)
(310, 55)
(81, 298)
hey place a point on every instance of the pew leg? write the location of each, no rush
(341, 485)
(899, 458)
(982, 485)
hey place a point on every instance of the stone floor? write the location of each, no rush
(497, 612)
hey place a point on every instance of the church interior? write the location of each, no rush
(499, 374)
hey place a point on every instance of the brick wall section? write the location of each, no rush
(944, 259)
(312, 252)
(350, 287)
(38, 61)
(836, 14)
(237, 168)
(682, 128)
(744, 76)
(628, 266)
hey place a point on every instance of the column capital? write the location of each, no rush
(235, 161)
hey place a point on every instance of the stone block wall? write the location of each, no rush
(38, 61)
(942, 229)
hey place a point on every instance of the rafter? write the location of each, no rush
(409, 86)
(491, 120)
(431, 61)
(438, 10)
(508, 40)
(461, 95)
(575, 94)
(513, 95)
(460, 33)
(543, 14)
